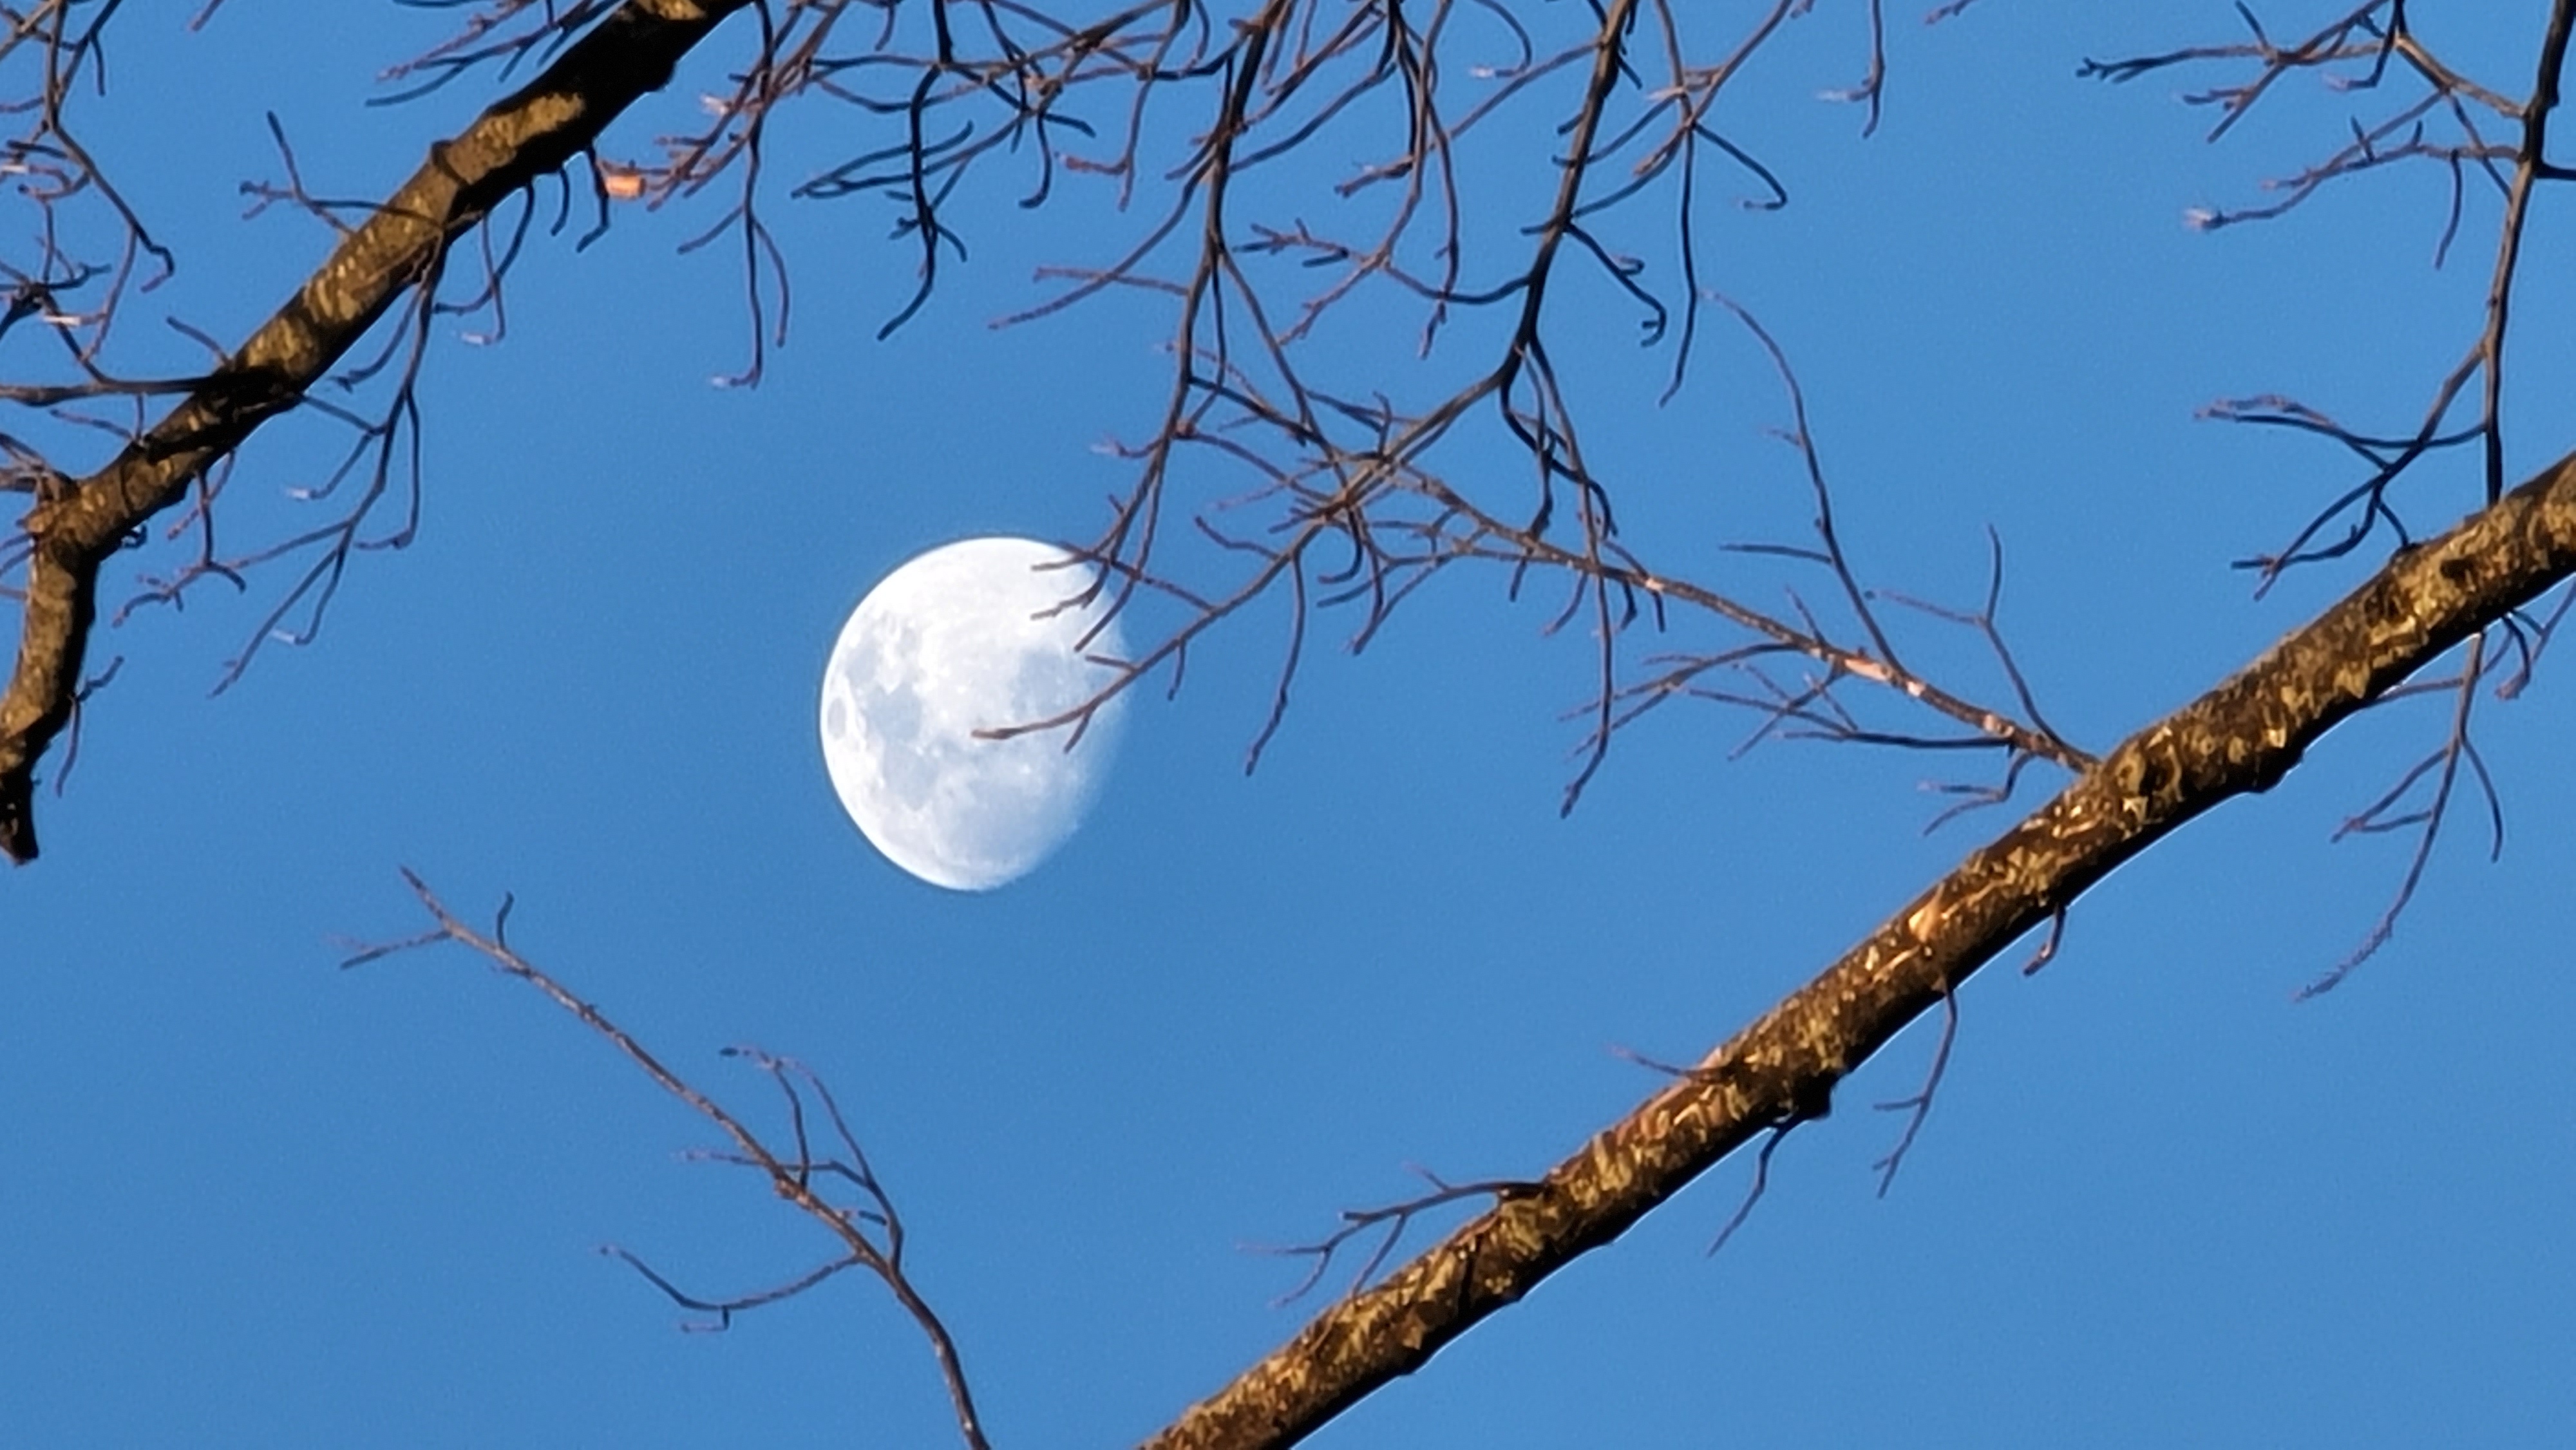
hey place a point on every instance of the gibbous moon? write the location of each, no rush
(957, 640)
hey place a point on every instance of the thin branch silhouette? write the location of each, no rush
(868, 1228)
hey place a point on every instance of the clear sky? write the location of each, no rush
(252, 1200)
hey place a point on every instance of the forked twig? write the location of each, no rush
(870, 1232)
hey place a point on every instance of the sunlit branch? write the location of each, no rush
(2240, 737)
(75, 526)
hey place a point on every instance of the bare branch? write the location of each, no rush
(2240, 737)
(1390, 1222)
(75, 526)
(870, 1231)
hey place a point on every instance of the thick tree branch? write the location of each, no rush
(74, 527)
(2240, 737)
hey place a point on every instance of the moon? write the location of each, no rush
(970, 636)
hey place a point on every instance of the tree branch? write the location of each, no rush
(74, 527)
(2240, 737)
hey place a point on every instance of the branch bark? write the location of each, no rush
(2240, 737)
(76, 526)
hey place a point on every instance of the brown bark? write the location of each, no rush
(2241, 736)
(75, 527)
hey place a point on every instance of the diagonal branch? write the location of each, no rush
(2240, 737)
(870, 1231)
(75, 526)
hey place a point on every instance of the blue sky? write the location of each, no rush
(254, 1200)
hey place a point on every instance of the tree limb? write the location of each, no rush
(2240, 737)
(76, 526)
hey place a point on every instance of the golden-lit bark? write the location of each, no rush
(2241, 736)
(76, 525)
